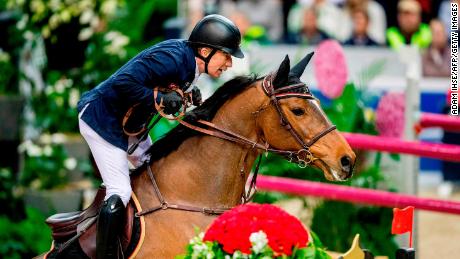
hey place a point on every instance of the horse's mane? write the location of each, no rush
(172, 140)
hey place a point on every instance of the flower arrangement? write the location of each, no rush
(254, 231)
(46, 162)
(390, 115)
(330, 68)
(55, 105)
(45, 16)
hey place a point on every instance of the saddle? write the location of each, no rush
(67, 228)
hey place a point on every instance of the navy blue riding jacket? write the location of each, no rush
(171, 61)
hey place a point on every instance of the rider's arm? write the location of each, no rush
(136, 81)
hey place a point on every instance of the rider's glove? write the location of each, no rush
(196, 96)
(172, 102)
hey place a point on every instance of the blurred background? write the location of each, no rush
(373, 52)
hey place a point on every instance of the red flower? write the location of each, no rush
(233, 229)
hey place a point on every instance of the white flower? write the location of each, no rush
(95, 21)
(37, 7)
(70, 163)
(200, 250)
(117, 43)
(198, 239)
(54, 21)
(34, 151)
(86, 16)
(62, 84)
(259, 241)
(28, 35)
(58, 138)
(227, 257)
(239, 255)
(74, 96)
(4, 56)
(65, 15)
(108, 7)
(47, 150)
(49, 90)
(85, 4)
(21, 24)
(54, 5)
(24, 145)
(85, 34)
(45, 138)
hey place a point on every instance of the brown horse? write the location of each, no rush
(195, 170)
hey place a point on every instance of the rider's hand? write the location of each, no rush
(172, 102)
(196, 96)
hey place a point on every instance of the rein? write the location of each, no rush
(302, 157)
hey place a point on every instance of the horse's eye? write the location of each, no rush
(298, 111)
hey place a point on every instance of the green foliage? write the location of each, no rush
(11, 204)
(55, 107)
(26, 238)
(347, 112)
(47, 164)
(137, 14)
(7, 82)
(199, 249)
(372, 223)
(46, 168)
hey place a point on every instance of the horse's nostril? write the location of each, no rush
(345, 161)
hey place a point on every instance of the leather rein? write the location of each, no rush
(302, 157)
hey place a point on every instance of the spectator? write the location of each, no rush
(265, 13)
(444, 14)
(249, 33)
(310, 34)
(411, 30)
(360, 35)
(436, 59)
(377, 23)
(328, 17)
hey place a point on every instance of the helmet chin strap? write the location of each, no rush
(206, 59)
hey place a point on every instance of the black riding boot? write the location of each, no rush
(109, 225)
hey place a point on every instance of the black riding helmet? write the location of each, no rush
(218, 33)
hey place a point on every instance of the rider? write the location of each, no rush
(208, 50)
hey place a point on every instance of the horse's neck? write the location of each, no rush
(207, 171)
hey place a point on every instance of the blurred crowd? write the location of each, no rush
(374, 23)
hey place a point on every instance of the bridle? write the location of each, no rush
(288, 92)
(302, 157)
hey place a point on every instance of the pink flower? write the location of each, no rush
(330, 68)
(390, 115)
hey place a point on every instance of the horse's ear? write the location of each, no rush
(282, 74)
(298, 69)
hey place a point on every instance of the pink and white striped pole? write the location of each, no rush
(354, 194)
(395, 145)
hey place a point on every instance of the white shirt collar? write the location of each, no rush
(197, 75)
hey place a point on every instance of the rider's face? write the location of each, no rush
(219, 62)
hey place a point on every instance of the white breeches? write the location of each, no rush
(113, 162)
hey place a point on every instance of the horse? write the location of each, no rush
(193, 176)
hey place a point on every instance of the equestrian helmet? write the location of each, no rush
(217, 32)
